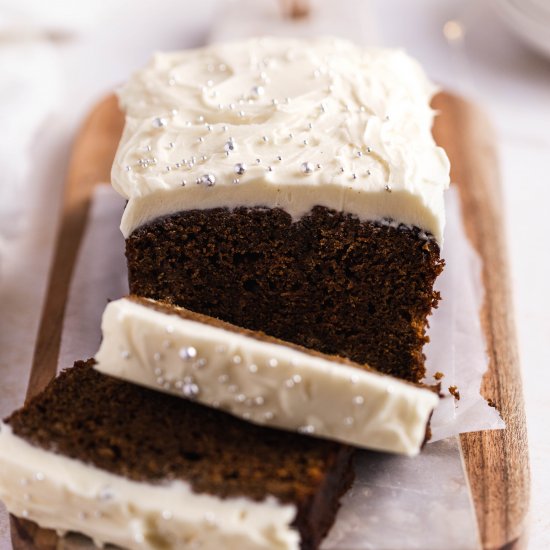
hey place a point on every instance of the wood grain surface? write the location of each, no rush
(496, 461)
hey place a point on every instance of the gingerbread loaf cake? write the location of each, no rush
(288, 186)
(140, 469)
(261, 379)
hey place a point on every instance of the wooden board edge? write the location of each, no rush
(497, 460)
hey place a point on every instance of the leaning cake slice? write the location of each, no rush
(133, 467)
(260, 378)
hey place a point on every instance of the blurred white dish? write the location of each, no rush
(529, 19)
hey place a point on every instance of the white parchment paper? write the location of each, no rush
(395, 502)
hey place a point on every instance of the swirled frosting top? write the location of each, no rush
(284, 123)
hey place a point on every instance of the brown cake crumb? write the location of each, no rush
(438, 375)
(152, 437)
(453, 390)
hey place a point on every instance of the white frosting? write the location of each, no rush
(65, 494)
(262, 382)
(362, 115)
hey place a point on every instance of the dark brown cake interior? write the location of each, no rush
(148, 436)
(327, 282)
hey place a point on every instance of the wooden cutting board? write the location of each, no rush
(496, 461)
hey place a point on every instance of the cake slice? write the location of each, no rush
(260, 378)
(140, 469)
(289, 186)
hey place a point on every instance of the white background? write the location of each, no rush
(58, 57)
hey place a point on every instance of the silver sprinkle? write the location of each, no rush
(201, 140)
(229, 145)
(221, 348)
(279, 158)
(237, 359)
(354, 176)
(259, 400)
(265, 139)
(342, 169)
(171, 145)
(269, 168)
(274, 102)
(387, 188)
(307, 167)
(183, 183)
(128, 168)
(296, 378)
(239, 168)
(190, 389)
(273, 362)
(307, 429)
(208, 179)
(241, 113)
(159, 122)
(258, 91)
(252, 368)
(369, 150)
(157, 356)
(240, 398)
(236, 181)
(310, 126)
(105, 493)
(305, 141)
(167, 515)
(258, 161)
(358, 400)
(269, 415)
(187, 353)
(224, 128)
(348, 421)
(359, 154)
(223, 378)
(319, 166)
(125, 354)
(200, 118)
(209, 127)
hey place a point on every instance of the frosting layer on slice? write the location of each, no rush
(65, 494)
(281, 123)
(262, 381)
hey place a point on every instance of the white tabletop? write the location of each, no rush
(95, 47)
